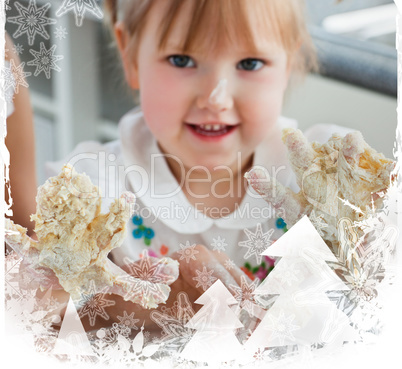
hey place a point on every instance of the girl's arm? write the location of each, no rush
(20, 142)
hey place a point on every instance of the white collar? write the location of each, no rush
(139, 147)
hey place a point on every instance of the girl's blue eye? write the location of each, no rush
(251, 64)
(181, 61)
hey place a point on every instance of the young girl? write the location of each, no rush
(212, 76)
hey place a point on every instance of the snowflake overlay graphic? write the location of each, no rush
(229, 264)
(32, 21)
(173, 322)
(148, 269)
(45, 60)
(50, 304)
(18, 49)
(204, 279)
(147, 278)
(14, 76)
(128, 320)
(80, 7)
(4, 4)
(282, 327)
(114, 346)
(9, 95)
(289, 273)
(257, 243)
(244, 293)
(318, 222)
(188, 251)
(93, 304)
(111, 335)
(219, 244)
(60, 33)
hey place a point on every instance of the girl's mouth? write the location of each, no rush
(211, 131)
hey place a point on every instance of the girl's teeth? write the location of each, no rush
(212, 127)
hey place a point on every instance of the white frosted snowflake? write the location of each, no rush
(4, 4)
(147, 336)
(204, 279)
(45, 60)
(318, 222)
(128, 320)
(14, 76)
(146, 278)
(288, 273)
(112, 334)
(51, 304)
(219, 244)
(282, 327)
(188, 251)
(229, 264)
(93, 304)
(172, 321)
(61, 33)
(363, 286)
(32, 21)
(45, 344)
(9, 95)
(149, 269)
(18, 49)
(244, 293)
(79, 7)
(257, 242)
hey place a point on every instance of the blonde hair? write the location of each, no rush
(284, 18)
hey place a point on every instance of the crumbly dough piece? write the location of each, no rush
(343, 178)
(74, 239)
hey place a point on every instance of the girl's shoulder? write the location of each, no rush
(137, 141)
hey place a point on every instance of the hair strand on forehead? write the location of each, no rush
(212, 24)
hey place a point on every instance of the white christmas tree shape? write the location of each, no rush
(215, 322)
(302, 315)
(72, 339)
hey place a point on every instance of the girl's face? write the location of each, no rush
(175, 93)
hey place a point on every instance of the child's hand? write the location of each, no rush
(211, 260)
(343, 182)
(74, 240)
(205, 260)
(186, 280)
(341, 178)
(140, 287)
(212, 264)
(32, 275)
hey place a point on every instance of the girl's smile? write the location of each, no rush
(211, 131)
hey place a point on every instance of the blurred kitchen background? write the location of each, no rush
(356, 87)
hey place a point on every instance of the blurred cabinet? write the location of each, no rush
(325, 100)
(86, 98)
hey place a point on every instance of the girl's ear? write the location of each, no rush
(130, 68)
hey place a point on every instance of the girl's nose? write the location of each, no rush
(217, 100)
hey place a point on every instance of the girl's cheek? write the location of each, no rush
(163, 97)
